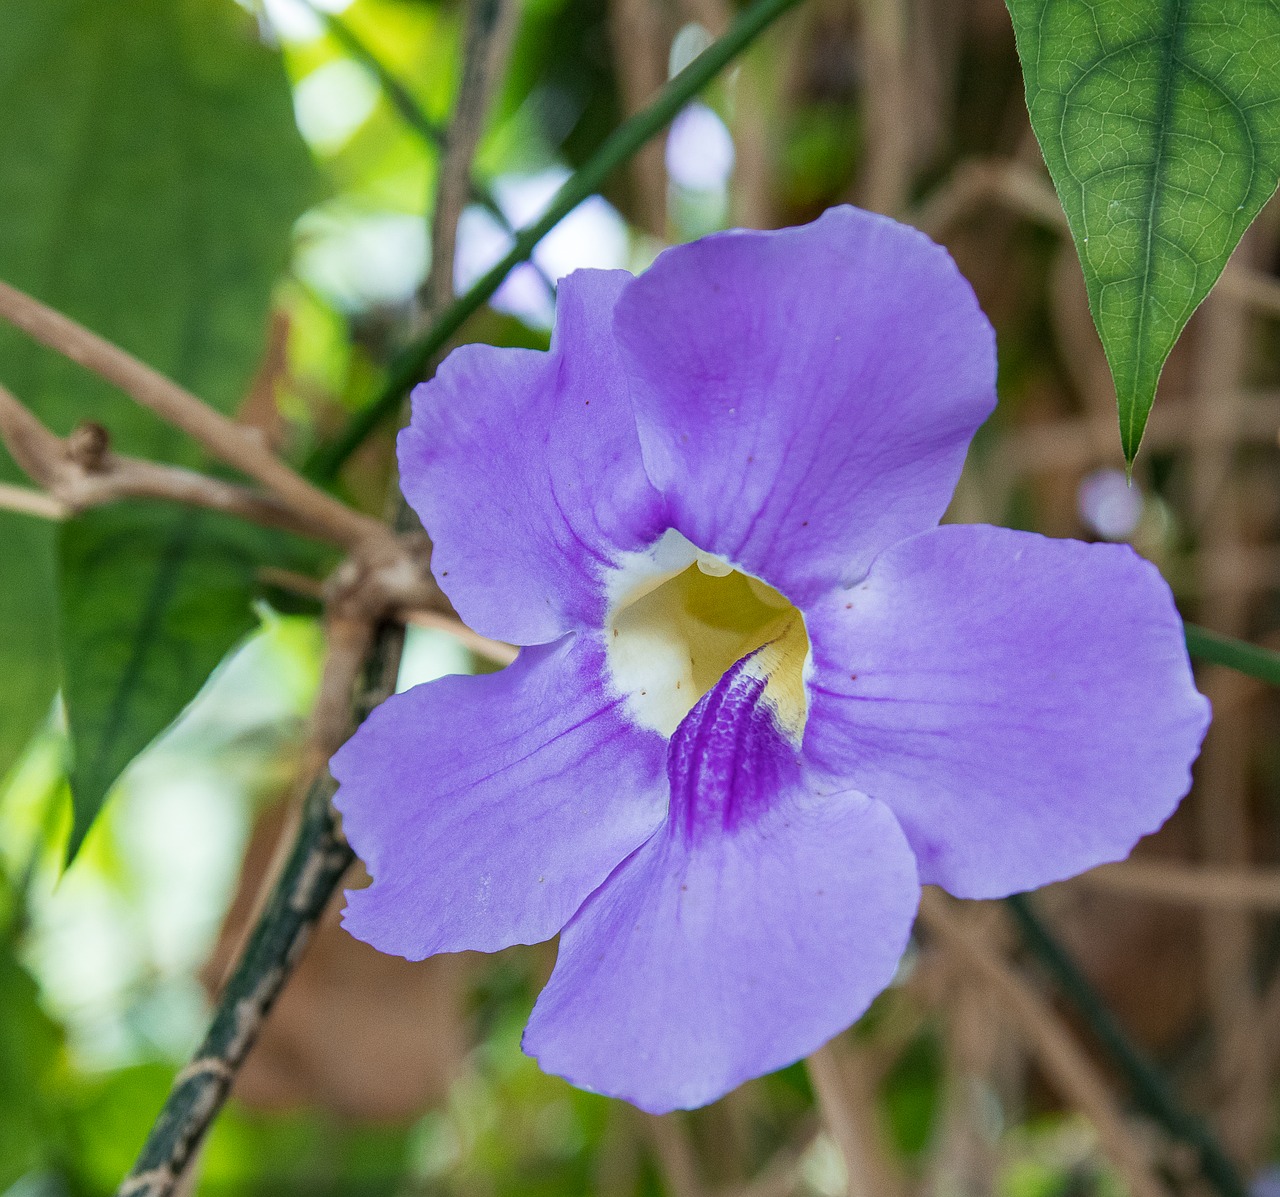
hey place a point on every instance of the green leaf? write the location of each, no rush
(150, 175)
(150, 604)
(28, 632)
(1160, 124)
(29, 1046)
(107, 1118)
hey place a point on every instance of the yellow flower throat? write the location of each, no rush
(672, 637)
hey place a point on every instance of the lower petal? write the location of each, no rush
(487, 808)
(1025, 706)
(760, 922)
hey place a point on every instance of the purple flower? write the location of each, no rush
(766, 696)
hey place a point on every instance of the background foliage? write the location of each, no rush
(240, 196)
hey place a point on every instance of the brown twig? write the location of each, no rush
(490, 650)
(676, 1158)
(639, 41)
(750, 198)
(885, 180)
(490, 28)
(1074, 443)
(1191, 885)
(1062, 1058)
(974, 185)
(846, 1101)
(1028, 191)
(235, 444)
(303, 585)
(81, 472)
(25, 501)
(963, 1154)
(1221, 803)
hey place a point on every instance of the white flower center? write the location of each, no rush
(680, 617)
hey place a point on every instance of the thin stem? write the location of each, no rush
(1191, 885)
(980, 182)
(408, 365)
(1150, 1090)
(494, 651)
(134, 478)
(639, 41)
(1240, 655)
(36, 450)
(82, 472)
(846, 1101)
(489, 30)
(238, 446)
(315, 865)
(25, 501)
(677, 1160)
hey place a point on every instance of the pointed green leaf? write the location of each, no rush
(151, 602)
(150, 176)
(1160, 124)
(28, 632)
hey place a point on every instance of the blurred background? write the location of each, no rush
(267, 201)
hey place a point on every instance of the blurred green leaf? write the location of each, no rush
(383, 165)
(109, 1117)
(29, 1044)
(150, 604)
(28, 632)
(913, 1094)
(1160, 124)
(303, 1152)
(560, 66)
(150, 176)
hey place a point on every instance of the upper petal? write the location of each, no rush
(762, 920)
(1024, 706)
(525, 469)
(487, 808)
(805, 397)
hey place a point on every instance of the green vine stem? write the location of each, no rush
(1240, 655)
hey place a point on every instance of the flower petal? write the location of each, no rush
(487, 808)
(806, 397)
(1024, 706)
(525, 469)
(761, 921)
